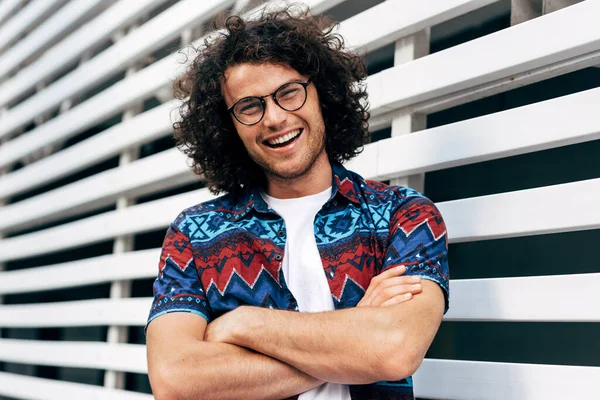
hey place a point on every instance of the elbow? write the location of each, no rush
(400, 363)
(166, 384)
(399, 356)
(161, 394)
(401, 370)
(163, 386)
(173, 382)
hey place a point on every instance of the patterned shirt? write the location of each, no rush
(228, 252)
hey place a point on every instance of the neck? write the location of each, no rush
(315, 180)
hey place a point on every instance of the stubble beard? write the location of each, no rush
(308, 159)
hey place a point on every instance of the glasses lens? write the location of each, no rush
(291, 97)
(249, 110)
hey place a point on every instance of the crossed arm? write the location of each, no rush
(181, 365)
(261, 353)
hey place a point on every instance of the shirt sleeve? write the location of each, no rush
(419, 241)
(178, 287)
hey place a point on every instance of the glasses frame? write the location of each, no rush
(272, 95)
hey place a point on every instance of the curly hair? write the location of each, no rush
(291, 37)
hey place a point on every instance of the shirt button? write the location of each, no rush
(281, 233)
(278, 257)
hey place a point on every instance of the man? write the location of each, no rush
(271, 108)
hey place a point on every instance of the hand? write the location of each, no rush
(223, 329)
(389, 288)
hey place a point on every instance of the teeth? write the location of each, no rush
(285, 138)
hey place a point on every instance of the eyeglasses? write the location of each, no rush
(290, 97)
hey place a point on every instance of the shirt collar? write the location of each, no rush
(341, 183)
(250, 199)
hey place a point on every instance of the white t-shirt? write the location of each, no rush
(303, 269)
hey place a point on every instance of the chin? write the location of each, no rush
(292, 172)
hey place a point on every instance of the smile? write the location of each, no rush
(284, 140)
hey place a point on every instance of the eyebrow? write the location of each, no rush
(283, 84)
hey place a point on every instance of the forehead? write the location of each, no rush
(244, 80)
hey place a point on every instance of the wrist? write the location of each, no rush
(245, 326)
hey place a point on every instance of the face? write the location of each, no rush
(286, 144)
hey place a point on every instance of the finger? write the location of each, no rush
(374, 286)
(380, 296)
(397, 300)
(379, 291)
(388, 273)
(400, 280)
(383, 295)
(394, 291)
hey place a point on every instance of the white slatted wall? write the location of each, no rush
(103, 69)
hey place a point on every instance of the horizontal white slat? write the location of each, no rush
(97, 355)
(319, 7)
(148, 37)
(159, 75)
(161, 171)
(69, 15)
(138, 130)
(524, 53)
(108, 268)
(395, 19)
(525, 212)
(33, 388)
(7, 7)
(558, 298)
(140, 218)
(101, 312)
(558, 122)
(366, 162)
(72, 47)
(316, 6)
(480, 218)
(476, 380)
(25, 19)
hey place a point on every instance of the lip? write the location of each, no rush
(290, 146)
(281, 135)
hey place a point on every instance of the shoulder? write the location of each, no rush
(222, 207)
(398, 204)
(378, 193)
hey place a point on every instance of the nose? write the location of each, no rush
(274, 115)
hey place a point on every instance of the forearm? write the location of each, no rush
(351, 346)
(225, 371)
